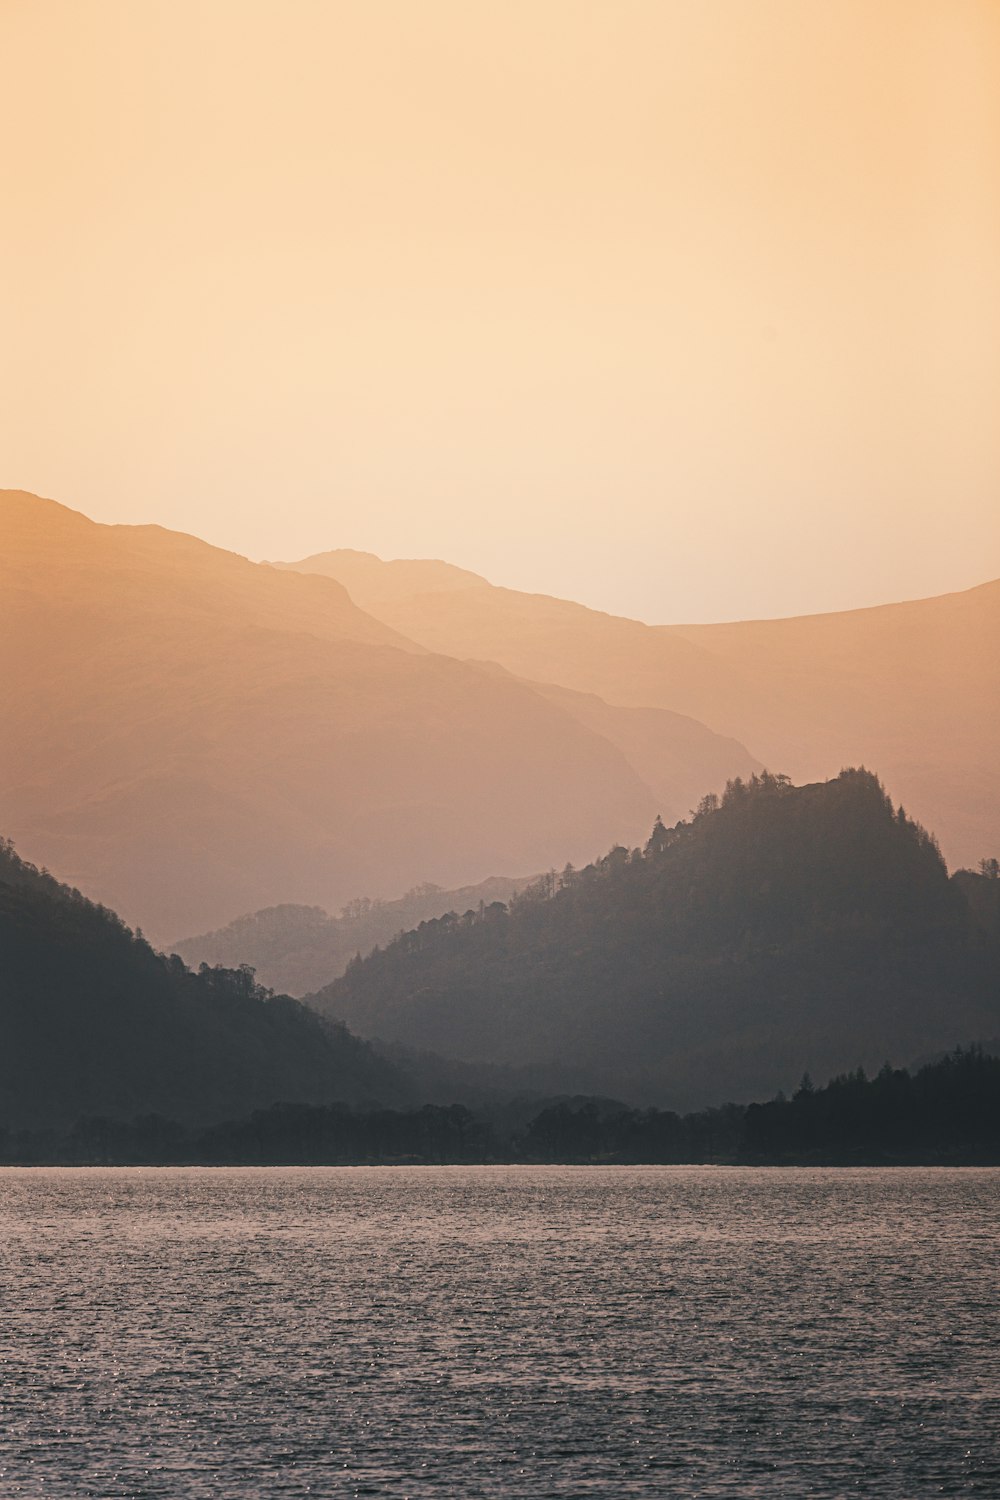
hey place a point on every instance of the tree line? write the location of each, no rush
(947, 1112)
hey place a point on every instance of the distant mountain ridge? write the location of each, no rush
(188, 735)
(369, 576)
(295, 949)
(783, 927)
(913, 688)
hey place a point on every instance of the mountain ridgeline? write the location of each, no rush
(189, 735)
(93, 1021)
(911, 688)
(781, 927)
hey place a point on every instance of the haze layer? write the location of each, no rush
(188, 735)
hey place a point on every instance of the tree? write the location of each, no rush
(659, 839)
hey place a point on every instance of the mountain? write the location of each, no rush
(366, 576)
(299, 948)
(188, 735)
(95, 1023)
(782, 928)
(533, 636)
(676, 756)
(913, 688)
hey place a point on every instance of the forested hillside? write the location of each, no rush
(781, 928)
(93, 1021)
(299, 948)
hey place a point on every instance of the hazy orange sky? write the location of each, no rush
(687, 309)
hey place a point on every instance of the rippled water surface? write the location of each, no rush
(499, 1332)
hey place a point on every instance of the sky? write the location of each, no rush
(687, 309)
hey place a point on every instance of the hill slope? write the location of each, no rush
(188, 735)
(788, 928)
(913, 688)
(299, 948)
(94, 1022)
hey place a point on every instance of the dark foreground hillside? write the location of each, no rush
(781, 927)
(93, 1021)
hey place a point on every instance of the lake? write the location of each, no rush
(499, 1331)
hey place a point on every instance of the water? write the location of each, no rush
(551, 1331)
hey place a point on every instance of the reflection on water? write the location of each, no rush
(499, 1331)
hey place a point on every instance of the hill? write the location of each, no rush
(299, 948)
(188, 735)
(782, 928)
(913, 688)
(94, 1022)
